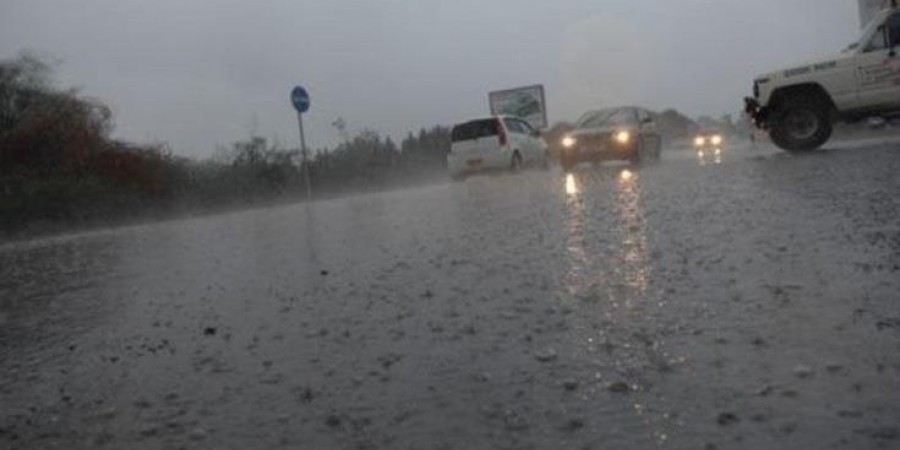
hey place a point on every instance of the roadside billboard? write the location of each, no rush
(527, 103)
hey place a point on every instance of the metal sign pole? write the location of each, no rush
(305, 157)
(300, 100)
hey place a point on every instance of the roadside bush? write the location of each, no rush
(60, 166)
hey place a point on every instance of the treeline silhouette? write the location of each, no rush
(59, 166)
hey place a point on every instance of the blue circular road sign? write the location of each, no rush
(300, 99)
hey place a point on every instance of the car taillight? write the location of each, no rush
(501, 134)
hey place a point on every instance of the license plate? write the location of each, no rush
(475, 162)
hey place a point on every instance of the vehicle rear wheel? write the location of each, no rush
(800, 124)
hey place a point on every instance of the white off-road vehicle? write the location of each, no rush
(799, 106)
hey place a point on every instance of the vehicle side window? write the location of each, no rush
(526, 127)
(642, 116)
(893, 28)
(887, 34)
(877, 42)
(509, 126)
(513, 126)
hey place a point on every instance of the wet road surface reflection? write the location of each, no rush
(665, 306)
(710, 157)
(624, 230)
(635, 267)
(609, 270)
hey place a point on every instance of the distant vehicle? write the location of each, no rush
(495, 143)
(709, 143)
(626, 133)
(799, 106)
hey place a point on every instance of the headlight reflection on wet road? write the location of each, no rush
(608, 256)
(633, 272)
(631, 267)
(635, 267)
(709, 157)
(571, 185)
(575, 241)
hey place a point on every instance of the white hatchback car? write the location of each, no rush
(495, 143)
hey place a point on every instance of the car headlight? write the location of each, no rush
(700, 141)
(569, 142)
(717, 140)
(623, 137)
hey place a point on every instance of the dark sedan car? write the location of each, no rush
(627, 133)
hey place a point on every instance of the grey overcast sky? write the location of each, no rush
(197, 73)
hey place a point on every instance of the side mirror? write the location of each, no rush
(536, 133)
(647, 121)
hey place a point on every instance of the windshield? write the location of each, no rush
(448, 224)
(607, 118)
(863, 35)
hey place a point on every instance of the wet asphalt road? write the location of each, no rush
(743, 305)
